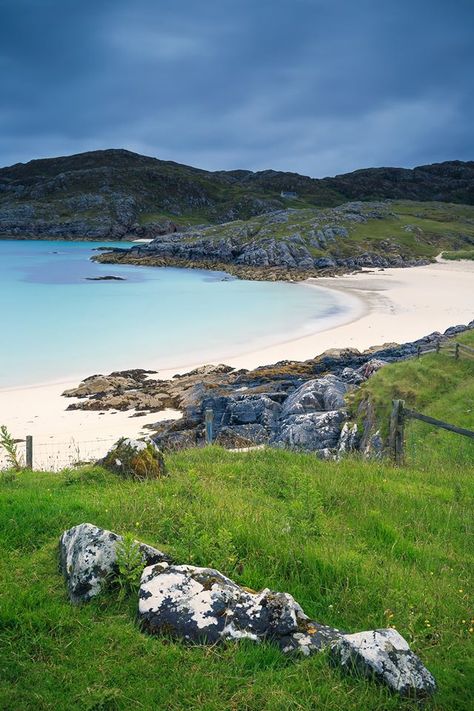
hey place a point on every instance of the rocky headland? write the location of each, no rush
(296, 244)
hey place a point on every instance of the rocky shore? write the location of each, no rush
(299, 405)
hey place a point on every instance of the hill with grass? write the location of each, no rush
(360, 544)
(297, 243)
(437, 385)
(112, 194)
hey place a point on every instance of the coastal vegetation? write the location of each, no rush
(359, 544)
(460, 254)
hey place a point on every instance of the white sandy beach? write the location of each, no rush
(391, 305)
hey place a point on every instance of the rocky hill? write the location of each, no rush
(297, 243)
(114, 194)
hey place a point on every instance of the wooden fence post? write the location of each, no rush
(456, 351)
(397, 421)
(418, 351)
(29, 452)
(209, 423)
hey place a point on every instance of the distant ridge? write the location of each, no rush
(109, 194)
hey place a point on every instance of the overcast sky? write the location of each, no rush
(314, 86)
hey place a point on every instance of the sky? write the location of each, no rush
(318, 87)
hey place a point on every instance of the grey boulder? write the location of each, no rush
(311, 432)
(385, 655)
(201, 605)
(325, 393)
(88, 557)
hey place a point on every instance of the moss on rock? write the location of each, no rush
(135, 459)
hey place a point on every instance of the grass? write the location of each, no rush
(359, 544)
(435, 385)
(460, 254)
(411, 229)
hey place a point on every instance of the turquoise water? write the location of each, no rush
(56, 325)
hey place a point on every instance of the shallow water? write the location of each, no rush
(55, 324)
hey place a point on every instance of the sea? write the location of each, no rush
(59, 323)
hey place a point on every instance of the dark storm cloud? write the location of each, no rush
(316, 86)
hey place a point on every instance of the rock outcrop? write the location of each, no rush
(203, 606)
(295, 242)
(386, 656)
(135, 459)
(88, 557)
(293, 404)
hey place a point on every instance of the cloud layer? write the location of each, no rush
(315, 86)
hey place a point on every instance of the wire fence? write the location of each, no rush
(49, 454)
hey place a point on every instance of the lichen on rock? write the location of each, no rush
(135, 459)
(385, 655)
(203, 606)
(88, 557)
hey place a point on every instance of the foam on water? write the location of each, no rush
(56, 324)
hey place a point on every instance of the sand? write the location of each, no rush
(391, 305)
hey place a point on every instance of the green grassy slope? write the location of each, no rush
(359, 545)
(410, 229)
(435, 385)
(460, 254)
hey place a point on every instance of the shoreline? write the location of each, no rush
(388, 305)
(350, 308)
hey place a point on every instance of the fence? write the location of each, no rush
(48, 454)
(453, 348)
(399, 415)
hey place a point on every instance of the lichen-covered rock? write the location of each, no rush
(88, 557)
(325, 393)
(135, 459)
(348, 440)
(242, 436)
(371, 367)
(311, 431)
(385, 655)
(202, 605)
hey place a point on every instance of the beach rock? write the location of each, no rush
(88, 557)
(247, 409)
(242, 436)
(371, 367)
(311, 432)
(135, 459)
(203, 606)
(325, 393)
(385, 655)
